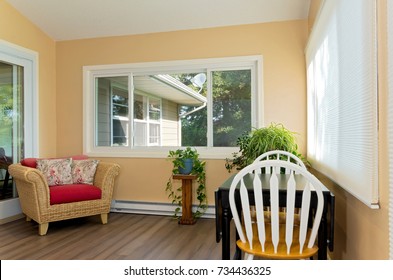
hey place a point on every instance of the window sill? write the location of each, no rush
(159, 152)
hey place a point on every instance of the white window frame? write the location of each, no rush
(135, 69)
(29, 60)
(17, 55)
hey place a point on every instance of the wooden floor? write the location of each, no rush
(126, 237)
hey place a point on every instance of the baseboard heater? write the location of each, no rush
(152, 208)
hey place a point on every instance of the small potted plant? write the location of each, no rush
(183, 160)
(262, 140)
(187, 161)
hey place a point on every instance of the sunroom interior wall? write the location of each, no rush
(281, 44)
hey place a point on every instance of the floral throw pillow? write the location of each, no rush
(83, 171)
(56, 171)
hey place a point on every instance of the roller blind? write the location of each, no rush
(341, 58)
(390, 117)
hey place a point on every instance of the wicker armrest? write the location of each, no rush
(31, 184)
(28, 176)
(105, 178)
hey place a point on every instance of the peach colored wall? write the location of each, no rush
(280, 44)
(362, 233)
(16, 29)
(379, 222)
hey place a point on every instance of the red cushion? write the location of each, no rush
(32, 162)
(73, 193)
(29, 162)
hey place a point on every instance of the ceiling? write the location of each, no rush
(79, 19)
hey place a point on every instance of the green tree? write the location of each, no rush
(231, 106)
(6, 103)
(231, 110)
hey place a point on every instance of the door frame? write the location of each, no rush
(14, 54)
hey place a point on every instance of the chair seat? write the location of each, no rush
(282, 247)
(73, 193)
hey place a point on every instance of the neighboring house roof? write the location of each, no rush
(167, 87)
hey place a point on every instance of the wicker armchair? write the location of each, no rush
(34, 196)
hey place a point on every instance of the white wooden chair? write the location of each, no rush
(270, 238)
(280, 155)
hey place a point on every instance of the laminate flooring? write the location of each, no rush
(125, 237)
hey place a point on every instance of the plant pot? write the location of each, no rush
(188, 164)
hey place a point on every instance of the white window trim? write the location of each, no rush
(15, 54)
(90, 72)
(29, 60)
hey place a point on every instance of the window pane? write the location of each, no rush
(160, 100)
(140, 107)
(140, 135)
(154, 109)
(192, 113)
(112, 113)
(120, 104)
(154, 134)
(120, 132)
(11, 123)
(147, 110)
(231, 106)
(173, 109)
(194, 127)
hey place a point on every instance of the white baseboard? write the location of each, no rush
(152, 208)
(9, 208)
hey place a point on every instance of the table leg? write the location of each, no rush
(226, 219)
(218, 207)
(238, 252)
(322, 239)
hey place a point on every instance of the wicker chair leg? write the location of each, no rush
(43, 228)
(104, 218)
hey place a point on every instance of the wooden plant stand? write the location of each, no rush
(187, 217)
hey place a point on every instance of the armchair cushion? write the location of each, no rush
(73, 193)
(83, 171)
(56, 171)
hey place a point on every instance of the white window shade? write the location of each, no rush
(341, 61)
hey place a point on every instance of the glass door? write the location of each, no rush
(11, 123)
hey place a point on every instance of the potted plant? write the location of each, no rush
(187, 161)
(262, 140)
(183, 160)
